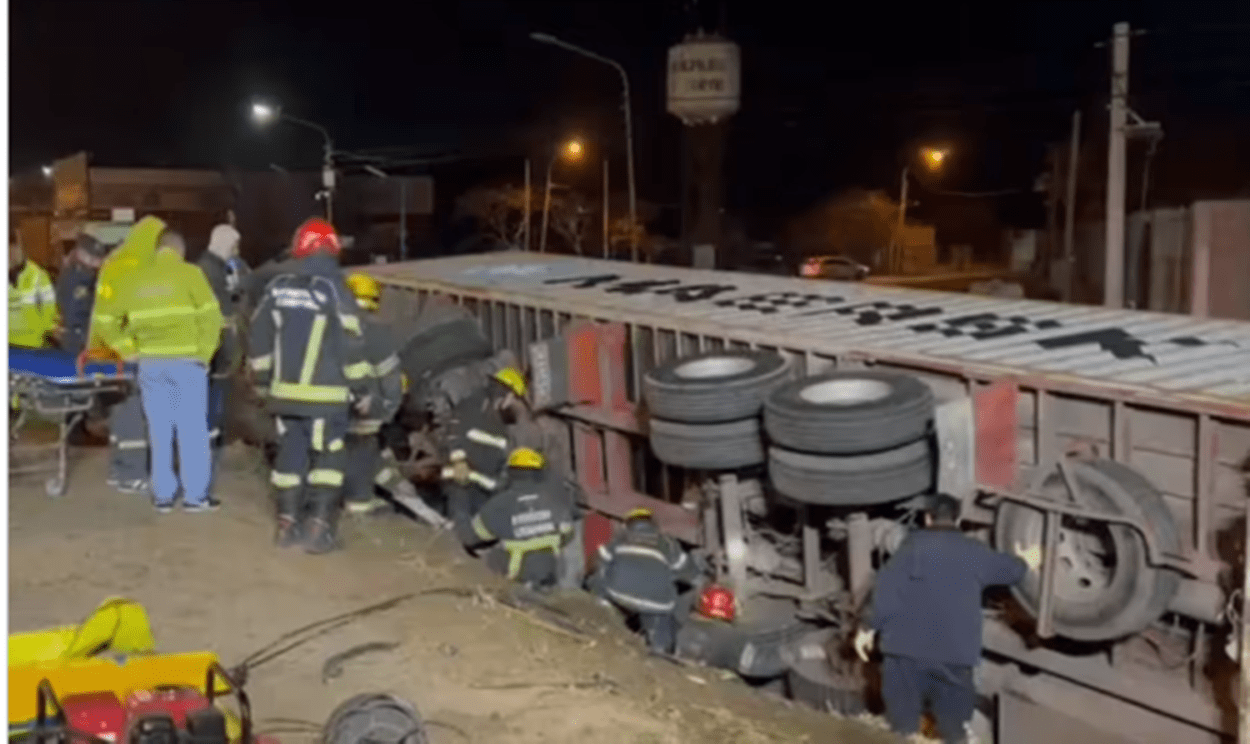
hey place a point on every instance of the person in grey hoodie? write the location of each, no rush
(223, 248)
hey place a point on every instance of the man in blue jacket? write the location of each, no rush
(926, 605)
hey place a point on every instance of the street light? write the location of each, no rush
(933, 158)
(571, 151)
(47, 171)
(629, 128)
(264, 114)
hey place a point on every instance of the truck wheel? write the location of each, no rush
(754, 650)
(859, 480)
(714, 387)
(1104, 589)
(848, 413)
(438, 349)
(727, 446)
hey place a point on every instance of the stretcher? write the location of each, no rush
(59, 387)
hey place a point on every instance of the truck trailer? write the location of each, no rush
(1115, 439)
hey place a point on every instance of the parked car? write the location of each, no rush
(833, 267)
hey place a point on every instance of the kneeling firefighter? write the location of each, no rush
(531, 517)
(639, 569)
(478, 445)
(369, 464)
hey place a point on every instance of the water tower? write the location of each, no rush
(704, 90)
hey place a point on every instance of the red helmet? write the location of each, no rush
(717, 602)
(315, 236)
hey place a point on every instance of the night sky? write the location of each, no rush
(834, 93)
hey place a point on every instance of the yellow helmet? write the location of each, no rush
(366, 289)
(511, 378)
(524, 457)
(641, 512)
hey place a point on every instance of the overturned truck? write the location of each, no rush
(788, 426)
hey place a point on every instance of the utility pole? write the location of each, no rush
(1069, 207)
(1113, 273)
(528, 207)
(895, 259)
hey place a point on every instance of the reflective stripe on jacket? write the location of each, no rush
(305, 342)
(32, 307)
(119, 273)
(477, 432)
(534, 512)
(641, 567)
(173, 313)
(380, 353)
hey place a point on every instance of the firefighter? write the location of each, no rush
(531, 517)
(115, 284)
(639, 570)
(174, 324)
(308, 356)
(366, 465)
(223, 245)
(75, 291)
(478, 447)
(926, 603)
(33, 314)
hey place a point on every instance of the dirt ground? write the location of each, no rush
(483, 673)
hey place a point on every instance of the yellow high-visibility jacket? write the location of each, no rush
(32, 307)
(114, 287)
(173, 312)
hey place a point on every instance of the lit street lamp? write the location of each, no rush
(571, 151)
(264, 114)
(629, 129)
(933, 157)
(47, 171)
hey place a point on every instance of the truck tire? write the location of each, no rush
(848, 413)
(859, 480)
(756, 651)
(714, 387)
(727, 446)
(1089, 607)
(437, 349)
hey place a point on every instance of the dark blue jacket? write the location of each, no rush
(75, 294)
(927, 600)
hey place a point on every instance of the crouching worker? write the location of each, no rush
(531, 517)
(365, 465)
(639, 570)
(478, 445)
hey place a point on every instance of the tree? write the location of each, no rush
(571, 215)
(500, 210)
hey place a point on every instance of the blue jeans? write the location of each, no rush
(218, 388)
(907, 685)
(175, 399)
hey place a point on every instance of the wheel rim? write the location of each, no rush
(845, 392)
(701, 369)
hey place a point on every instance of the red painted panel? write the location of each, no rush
(994, 408)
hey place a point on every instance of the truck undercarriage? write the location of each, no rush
(1133, 489)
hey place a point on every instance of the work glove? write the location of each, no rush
(1032, 557)
(864, 639)
(362, 404)
(460, 469)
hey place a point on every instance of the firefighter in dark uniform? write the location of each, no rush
(531, 517)
(367, 466)
(75, 291)
(478, 446)
(639, 570)
(308, 357)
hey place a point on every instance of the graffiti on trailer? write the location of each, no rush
(986, 326)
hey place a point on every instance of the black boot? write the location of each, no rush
(321, 527)
(289, 532)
